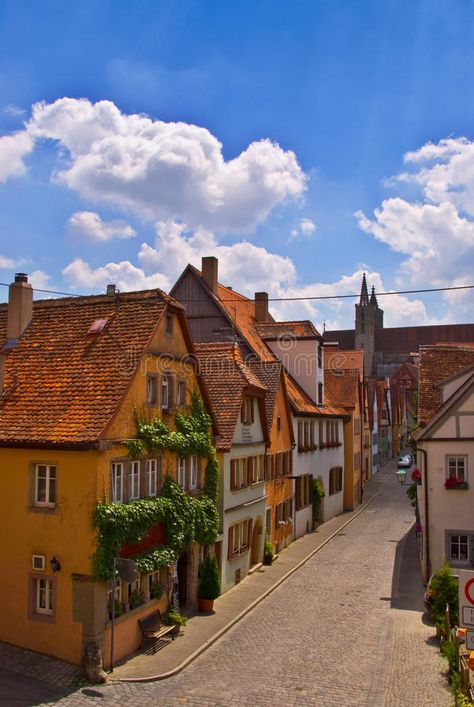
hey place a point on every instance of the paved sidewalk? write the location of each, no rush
(202, 630)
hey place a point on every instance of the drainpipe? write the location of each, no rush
(426, 504)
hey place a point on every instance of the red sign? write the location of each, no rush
(469, 590)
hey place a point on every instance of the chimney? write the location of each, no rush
(20, 307)
(209, 268)
(261, 307)
(110, 292)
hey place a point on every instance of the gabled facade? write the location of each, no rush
(75, 374)
(217, 313)
(238, 401)
(343, 376)
(445, 457)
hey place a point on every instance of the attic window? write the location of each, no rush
(97, 326)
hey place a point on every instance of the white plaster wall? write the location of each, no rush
(447, 429)
(248, 434)
(449, 388)
(229, 567)
(300, 358)
(448, 509)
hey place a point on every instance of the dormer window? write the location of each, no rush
(246, 414)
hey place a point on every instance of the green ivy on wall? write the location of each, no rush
(187, 519)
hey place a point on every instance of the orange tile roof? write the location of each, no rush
(342, 385)
(303, 329)
(302, 404)
(62, 386)
(269, 372)
(227, 379)
(436, 364)
(344, 359)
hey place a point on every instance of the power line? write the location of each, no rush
(288, 299)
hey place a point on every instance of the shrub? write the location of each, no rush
(444, 590)
(171, 617)
(210, 585)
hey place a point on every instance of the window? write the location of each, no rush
(181, 393)
(357, 461)
(303, 491)
(169, 324)
(134, 480)
(278, 423)
(193, 472)
(44, 596)
(312, 441)
(321, 434)
(357, 426)
(335, 480)
(45, 485)
(320, 355)
(151, 477)
(116, 485)
(246, 414)
(258, 468)
(181, 472)
(456, 468)
(239, 538)
(165, 393)
(41, 598)
(238, 473)
(151, 389)
(459, 548)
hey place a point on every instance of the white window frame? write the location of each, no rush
(44, 589)
(151, 389)
(193, 472)
(152, 477)
(181, 394)
(50, 485)
(115, 467)
(458, 560)
(134, 481)
(181, 472)
(457, 458)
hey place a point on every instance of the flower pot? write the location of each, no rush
(205, 605)
(267, 559)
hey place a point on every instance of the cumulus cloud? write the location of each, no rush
(158, 170)
(125, 275)
(39, 280)
(88, 225)
(436, 234)
(13, 149)
(7, 263)
(306, 227)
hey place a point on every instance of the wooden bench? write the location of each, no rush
(152, 629)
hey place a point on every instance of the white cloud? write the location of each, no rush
(125, 275)
(6, 263)
(306, 227)
(39, 280)
(15, 111)
(88, 225)
(161, 170)
(13, 150)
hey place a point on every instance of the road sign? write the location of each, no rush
(470, 640)
(466, 598)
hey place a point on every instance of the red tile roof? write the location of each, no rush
(269, 372)
(343, 386)
(436, 364)
(62, 386)
(301, 404)
(344, 359)
(227, 379)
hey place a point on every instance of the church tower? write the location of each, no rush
(368, 319)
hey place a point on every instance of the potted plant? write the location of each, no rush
(210, 584)
(268, 553)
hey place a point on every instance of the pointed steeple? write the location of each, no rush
(373, 298)
(364, 295)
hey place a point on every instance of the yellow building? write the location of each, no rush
(74, 375)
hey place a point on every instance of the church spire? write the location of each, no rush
(364, 295)
(373, 298)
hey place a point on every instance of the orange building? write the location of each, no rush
(74, 375)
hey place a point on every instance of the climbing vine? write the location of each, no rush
(186, 519)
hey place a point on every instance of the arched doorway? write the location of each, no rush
(256, 549)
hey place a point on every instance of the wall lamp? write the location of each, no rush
(55, 564)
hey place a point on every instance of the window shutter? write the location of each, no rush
(300, 436)
(242, 412)
(250, 466)
(232, 473)
(252, 414)
(249, 532)
(230, 545)
(171, 390)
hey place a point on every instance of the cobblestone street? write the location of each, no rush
(345, 629)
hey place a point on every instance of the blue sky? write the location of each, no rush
(300, 142)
